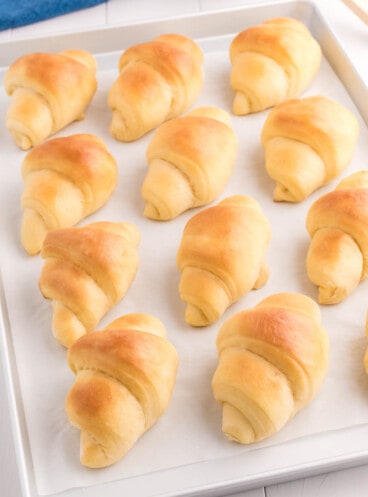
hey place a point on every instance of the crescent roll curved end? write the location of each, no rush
(125, 376)
(307, 143)
(158, 80)
(48, 92)
(337, 258)
(273, 359)
(221, 257)
(87, 270)
(191, 159)
(272, 62)
(65, 180)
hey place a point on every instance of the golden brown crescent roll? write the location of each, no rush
(307, 143)
(273, 359)
(48, 92)
(190, 159)
(87, 270)
(125, 377)
(158, 80)
(65, 180)
(272, 62)
(222, 256)
(337, 223)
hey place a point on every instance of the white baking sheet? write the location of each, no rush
(185, 453)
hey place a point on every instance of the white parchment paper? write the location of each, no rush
(190, 430)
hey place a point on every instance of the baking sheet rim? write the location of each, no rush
(353, 454)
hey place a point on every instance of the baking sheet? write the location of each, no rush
(194, 458)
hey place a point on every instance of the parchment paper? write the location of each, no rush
(190, 430)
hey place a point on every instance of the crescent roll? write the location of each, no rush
(273, 359)
(87, 270)
(158, 80)
(337, 258)
(125, 376)
(272, 62)
(307, 143)
(221, 257)
(191, 159)
(65, 180)
(48, 91)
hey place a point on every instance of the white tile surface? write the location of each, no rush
(5, 35)
(207, 5)
(127, 11)
(350, 482)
